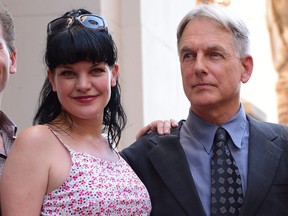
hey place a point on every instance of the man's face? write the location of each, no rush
(7, 62)
(211, 70)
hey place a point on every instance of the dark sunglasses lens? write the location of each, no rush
(92, 21)
(60, 24)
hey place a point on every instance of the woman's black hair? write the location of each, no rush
(79, 43)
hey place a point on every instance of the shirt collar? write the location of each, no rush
(204, 132)
(236, 127)
(7, 125)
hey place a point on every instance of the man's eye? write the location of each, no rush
(187, 56)
(215, 54)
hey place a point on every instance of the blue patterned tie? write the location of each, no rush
(226, 186)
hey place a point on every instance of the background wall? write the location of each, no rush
(145, 32)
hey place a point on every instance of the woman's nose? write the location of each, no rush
(83, 83)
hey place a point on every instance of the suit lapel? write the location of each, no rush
(263, 160)
(171, 164)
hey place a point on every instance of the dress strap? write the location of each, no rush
(59, 139)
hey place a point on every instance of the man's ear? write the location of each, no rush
(114, 75)
(51, 79)
(247, 63)
(13, 66)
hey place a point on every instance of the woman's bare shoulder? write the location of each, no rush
(35, 137)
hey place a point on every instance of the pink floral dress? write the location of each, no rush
(98, 187)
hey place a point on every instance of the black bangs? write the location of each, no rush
(80, 44)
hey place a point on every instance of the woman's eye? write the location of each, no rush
(97, 71)
(67, 74)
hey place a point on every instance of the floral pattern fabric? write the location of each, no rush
(98, 187)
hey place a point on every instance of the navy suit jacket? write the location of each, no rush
(161, 164)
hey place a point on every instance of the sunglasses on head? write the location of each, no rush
(88, 20)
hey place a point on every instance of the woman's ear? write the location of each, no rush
(114, 75)
(51, 79)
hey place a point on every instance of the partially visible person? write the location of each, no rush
(67, 163)
(180, 170)
(8, 128)
(162, 127)
(7, 66)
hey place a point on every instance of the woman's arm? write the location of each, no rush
(25, 175)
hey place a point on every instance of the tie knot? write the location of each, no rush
(220, 135)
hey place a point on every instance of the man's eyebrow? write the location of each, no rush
(185, 49)
(209, 48)
(216, 47)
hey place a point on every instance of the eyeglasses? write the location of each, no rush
(88, 20)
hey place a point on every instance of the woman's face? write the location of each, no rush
(84, 88)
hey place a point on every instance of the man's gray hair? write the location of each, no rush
(8, 28)
(226, 19)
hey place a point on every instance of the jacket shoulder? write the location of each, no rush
(150, 141)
